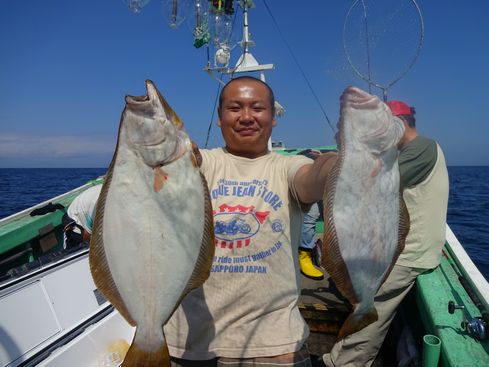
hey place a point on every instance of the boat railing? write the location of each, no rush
(468, 270)
(58, 198)
(33, 238)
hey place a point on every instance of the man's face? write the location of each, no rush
(246, 119)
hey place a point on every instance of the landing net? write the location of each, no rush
(382, 40)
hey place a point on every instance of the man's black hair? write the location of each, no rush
(249, 78)
(410, 119)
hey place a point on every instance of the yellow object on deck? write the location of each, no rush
(307, 267)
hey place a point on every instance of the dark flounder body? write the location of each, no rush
(366, 221)
(153, 231)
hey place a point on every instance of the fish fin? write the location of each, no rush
(172, 115)
(196, 156)
(138, 357)
(331, 258)
(194, 161)
(404, 225)
(99, 266)
(160, 178)
(206, 256)
(354, 324)
(403, 230)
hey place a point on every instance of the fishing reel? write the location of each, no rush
(478, 327)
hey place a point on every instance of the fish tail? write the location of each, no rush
(356, 322)
(139, 357)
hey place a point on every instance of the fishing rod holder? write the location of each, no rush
(476, 328)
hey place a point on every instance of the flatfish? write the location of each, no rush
(366, 220)
(153, 231)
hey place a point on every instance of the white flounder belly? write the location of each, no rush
(152, 239)
(367, 201)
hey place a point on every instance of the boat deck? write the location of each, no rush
(325, 310)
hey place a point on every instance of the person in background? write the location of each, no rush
(308, 244)
(246, 312)
(78, 220)
(424, 184)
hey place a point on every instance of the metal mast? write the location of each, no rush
(247, 63)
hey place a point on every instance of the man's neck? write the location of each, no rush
(409, 136)
(249, 155)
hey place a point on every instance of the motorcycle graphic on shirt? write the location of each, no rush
(235, 226)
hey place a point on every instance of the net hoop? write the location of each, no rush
(367, 78)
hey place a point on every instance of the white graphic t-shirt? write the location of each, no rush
(248, 306)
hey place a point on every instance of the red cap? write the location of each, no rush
(399, 108)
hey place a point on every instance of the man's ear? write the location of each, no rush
(219, 122)
(274, 122)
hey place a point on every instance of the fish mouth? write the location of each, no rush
(152, 101)
(151, 91)
(151, 95)
(136, 100)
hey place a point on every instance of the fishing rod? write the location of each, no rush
(476, 327)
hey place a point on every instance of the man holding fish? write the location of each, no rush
(222, 279)
(247, 309)
(199, 250)
(246, 312)
(424, 180)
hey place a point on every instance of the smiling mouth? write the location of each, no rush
(246, 132)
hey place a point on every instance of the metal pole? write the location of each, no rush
(262, 78)
(246, 35)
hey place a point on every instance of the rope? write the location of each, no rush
(299, 66)
(213, 114)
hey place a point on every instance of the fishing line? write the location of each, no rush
(213, 113)
(299, 66)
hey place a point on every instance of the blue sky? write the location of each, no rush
(66, 66)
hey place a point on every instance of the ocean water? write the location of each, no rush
(468, 206)
(21, 188)
(468, 212)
